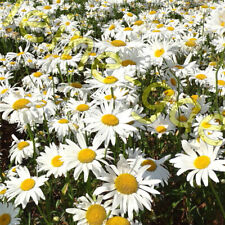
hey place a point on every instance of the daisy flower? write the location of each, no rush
(8, 214)
(25, 187)
(88, 211)
(21, 149)
(129, 190)
(84, 158)
(51, 161)
(108, 122)
(2, 191)
(201, 159)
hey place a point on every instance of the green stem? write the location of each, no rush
(42, 214)
(217, 198)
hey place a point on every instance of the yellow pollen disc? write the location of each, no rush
(92, 54)
(182, 118)
(20, 104)
(223, 44)
(221, 82)
(109, 97)
(20, 53)
(4, 91)
(194, 97)
(155, 21)
(110, 80)
(170, 28)
(5, 219)
(67, 23)
(126, 184)
(56, 162)
(152, 12)
(150, 162)
(159, 52)
(82, 107)
(202, 162)
(169, 92)
(63, 121)
(130, 14)
(76, 85)
(47, 7)
(21, 145)
(128, 62)
(138, 22)
(117, 220)
(55, 56)
(37, 74)
(156, 31)
(160, 129)
(86, 155)
(160, 25)
(2, 192)
(75, 37)
(127, 29)
(206, 125)
(223, 112)
(201, 76)
(66, 57)
(2, 78)
(118, 43)
(95, 214)
(173, 81)
(110, 120)
(112, 27)
(222, 24)
(12, 63)
(14, 169)
(27, 184)
(191, 42)
(2, 59)
(179, 67)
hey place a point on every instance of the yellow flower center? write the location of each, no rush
(109, 97)
(214, 63)
(56, 162)
(76, 85)
(127, 29)
(20, 104)
(179, 67)
(202, 162)
(160, 129)
(191, 42)
(2, 192)
(118, 43)
(152, 12)
(150, 162)
(63, 121)
(194, 97)
(66, 57)
(206, 125)
(112, 27)
(159, 52)
(222, 24)
(221, 82)
(201, 76)
(86, 155)
(20, 53)
(110, 120)
(27, 184)
(126, 184)
(37, 74)
(170, 28)
(82, 107)
(182, 118)
(173, 81)
(4, 91)
(5, 219)
(130, 14)
(138, 22)
(21, 145)
(47, 7)
(95, 214)
(117, 220)
(159, 25)
(169, 92)
(67, 23)
(128, 62)
(110, 80)
(2, 78)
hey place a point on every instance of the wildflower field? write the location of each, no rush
(112, 112)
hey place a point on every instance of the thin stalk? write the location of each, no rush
(217, 198)
(42, 214)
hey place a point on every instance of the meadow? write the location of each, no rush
(112, 112)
